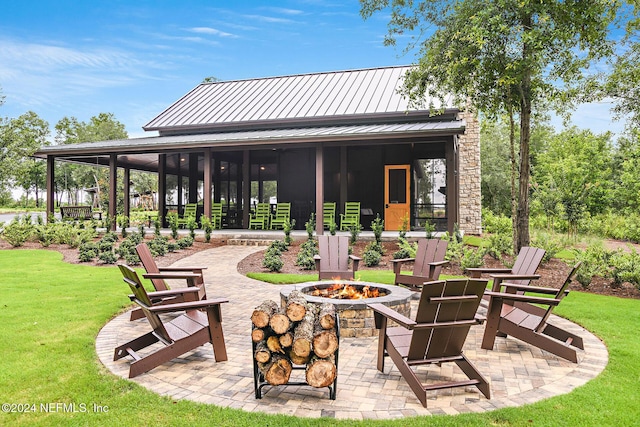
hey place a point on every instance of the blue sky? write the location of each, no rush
(134, 58)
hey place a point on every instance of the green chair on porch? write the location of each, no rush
(351, 216)
(190, 211)
(281, 216)
(328, 214)
(216, 215)
(260, 218)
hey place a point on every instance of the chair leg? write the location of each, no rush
(470, 371)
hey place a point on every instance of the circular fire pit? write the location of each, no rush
(356, 319)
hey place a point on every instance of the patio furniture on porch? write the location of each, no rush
(328, 214)
(281, 216)
(427, 265)
(216, 215)
(178, 336)
(333, 259)
(528, 322)
(446, 312)
(260, 218)
(522, 272)
(79, 213)
(190, 211)
(351, 216)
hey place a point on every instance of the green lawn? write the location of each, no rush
(51, 313)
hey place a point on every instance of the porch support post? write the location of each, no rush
(343, 178)
(246, 188)
(207, 183)
(319, 190)
(451, 159)
(51, 161)
(216, 180)
(113, 189)
(162, 187)
(127, 191)
(193, 177)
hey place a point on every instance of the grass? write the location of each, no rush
(51, 313)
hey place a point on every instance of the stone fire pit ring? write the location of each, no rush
(356, 319)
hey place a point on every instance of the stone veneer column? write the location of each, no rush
(469, 176)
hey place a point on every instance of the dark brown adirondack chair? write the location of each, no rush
(446, 312)
(158, 275)
(427, 264)
(522, 272)
(182, 334)
(529, 323)
(333, 259)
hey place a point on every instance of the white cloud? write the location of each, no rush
(211, 31)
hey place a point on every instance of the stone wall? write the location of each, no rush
(470, 221)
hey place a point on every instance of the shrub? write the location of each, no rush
(185, 242)
(87, 255)
(354, 230)
(279, 245)
(207, 227)
(108, 257)
(375, 246)
(625, 267)
(377, 226)
(172, 218)
(496, 224)
(287, 226)
(402, 234)
(305, 256)
(157, 225)
(499, 245)
(429, 229)
(454, 249)
(310, 226)
(595, 262)
(547, 242)
(158, 246)
(16, 233)
(272, 262)
(332, 228)
(407, 250)
(192, 224)
(371, 258)
(472, 257)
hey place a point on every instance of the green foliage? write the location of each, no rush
(354, 232)
(207, 227)
(287, 226)
(375, 246)
(429, 229)
(158, 245)
(404, 227)
(192, 224)
(333, 227)
(377, 226)
(499, 245)
(625, 267)
(172, 218)
(371, 257)
(407, 250)
(495, 224)
(185, 242)
(272, 262)
(305, 255)
(123, 223)
(310, 226)
(17, 232)
(454, 248)
(552, 245)
(108, 257)
(472, 257)
(595, 262)
(157, 225)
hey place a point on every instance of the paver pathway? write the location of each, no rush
(518, 373)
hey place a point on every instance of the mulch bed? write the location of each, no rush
(552, 273)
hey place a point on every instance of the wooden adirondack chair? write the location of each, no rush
(446, 312)
(216, 215)
(260, 218)
(282, 215)
(195, 289)
(328, 214)
(190, 211)
(427, 264)
(528, 322)
(182, 334)
(351, 216)
(522, 272)
(333, 259)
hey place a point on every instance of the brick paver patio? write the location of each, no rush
(518, 373)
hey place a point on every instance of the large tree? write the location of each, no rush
(504, 57)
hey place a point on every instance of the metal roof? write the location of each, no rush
(332, 96)
(259, 137)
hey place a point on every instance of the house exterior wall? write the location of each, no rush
(470, 207)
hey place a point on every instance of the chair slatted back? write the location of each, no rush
(262, 210)
(429, 250)
(283, 210)
(149, 264)
(352, 210)
(329, 212)
(562, 292)
(216, 214)
(190, 210)
(132, 279)
(334, 253)
(527, 263)
(441, 303)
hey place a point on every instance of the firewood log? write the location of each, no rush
(327, 316)
(277, 371)
(279, 322)
(321, 372)
(258, 335)
(262, 353)
(262, 314)
(325, 342)
(297, 360)
(273, 344)
(296, 306)
(286, 339)
(303, 333)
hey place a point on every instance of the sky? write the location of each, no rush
(135, 58)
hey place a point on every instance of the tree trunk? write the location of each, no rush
(296, 306)
(262, 314)
(514, 171)
(320, 372)
(277, 371)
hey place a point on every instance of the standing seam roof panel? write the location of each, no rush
(308, 87)
(268, 95)
(199, 99)
(250, 98)
(224, 92)
(326, 95)
(285, 106)
(247, 93)
(288, 86)
(345, 105)
(321, 108)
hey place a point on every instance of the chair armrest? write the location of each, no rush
(527, 288)
(402, 260)
(499, 278)
(172, 292)
(477, 271)
(354, 258)
(192, 305)
(453, 323)
(437, 263)
(393, 315)
(397, 264)
(523, 298)
(181, 269)
(169, 275)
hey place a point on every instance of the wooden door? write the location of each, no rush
(397, 195)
